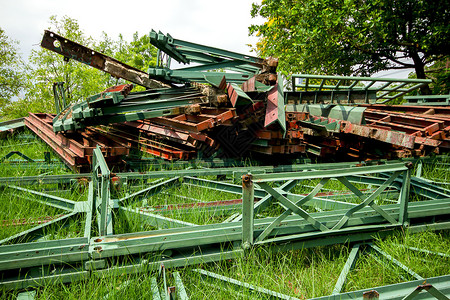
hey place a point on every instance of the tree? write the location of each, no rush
(353, 37)
(11, 69)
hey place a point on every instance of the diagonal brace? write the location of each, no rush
(292, 207)
(366, 201)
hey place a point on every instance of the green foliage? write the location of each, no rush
(353, 37)
(11, 68)
(439, 72)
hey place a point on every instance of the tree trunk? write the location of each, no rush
(419, 67)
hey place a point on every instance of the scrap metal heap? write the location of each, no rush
(243, 109)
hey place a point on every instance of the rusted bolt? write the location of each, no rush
(371, 295)
(247, 179)
(98, 249)
(98, 240)
(409, 165)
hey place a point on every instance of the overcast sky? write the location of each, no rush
(222, 24)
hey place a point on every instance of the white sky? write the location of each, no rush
(222, 24)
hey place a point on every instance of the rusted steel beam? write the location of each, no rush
(72, 50)
(413, 109)
(207, 119)
(279, 149)
(75, 150)
(150, 143)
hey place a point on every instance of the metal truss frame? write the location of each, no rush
(350, 89)
(26, 261)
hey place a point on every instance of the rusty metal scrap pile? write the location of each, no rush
(194, 113)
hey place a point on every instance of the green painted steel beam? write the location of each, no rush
(220, 186)
(396, 291)
(155, 220)
(396, 262)
(150, 191)
(256, 289)
(32, 233)
(180, 290)
(32, 254)
(47, 199)
(11, 125)
(351, 260)
(330, 173)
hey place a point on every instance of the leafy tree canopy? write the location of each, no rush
(11, 68)
(353, 37)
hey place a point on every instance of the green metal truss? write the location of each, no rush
(26, 261)
(207, 58)
(349, 89)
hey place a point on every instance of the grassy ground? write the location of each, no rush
(303, 273)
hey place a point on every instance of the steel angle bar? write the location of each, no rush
(259, 290)
(275, 111)
(237, 95)
(283, 169)
(220, 186)
(372, 180)
(351, 260)
(30, 234)
(396, 262)
(155, 220)
(429, 227)
(116, 118)
(18, 153)
(89, 211)
(353, 86)
(424, 251)
(124, 245)
(352, 171)
(177, 47)
(248, 200)
(73, 50)
(180, 290)
(11, 125)
(43, 179)
(27, 295)
(424, 188)
(321, 203)
(101, 177)
(147, 265)
(54, 201)
(154, 289)
(57, 275)
(428, 288)
(57, 252)
(397, 291)
(198, 206)
(150, 191)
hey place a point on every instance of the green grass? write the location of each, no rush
(304, 273)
